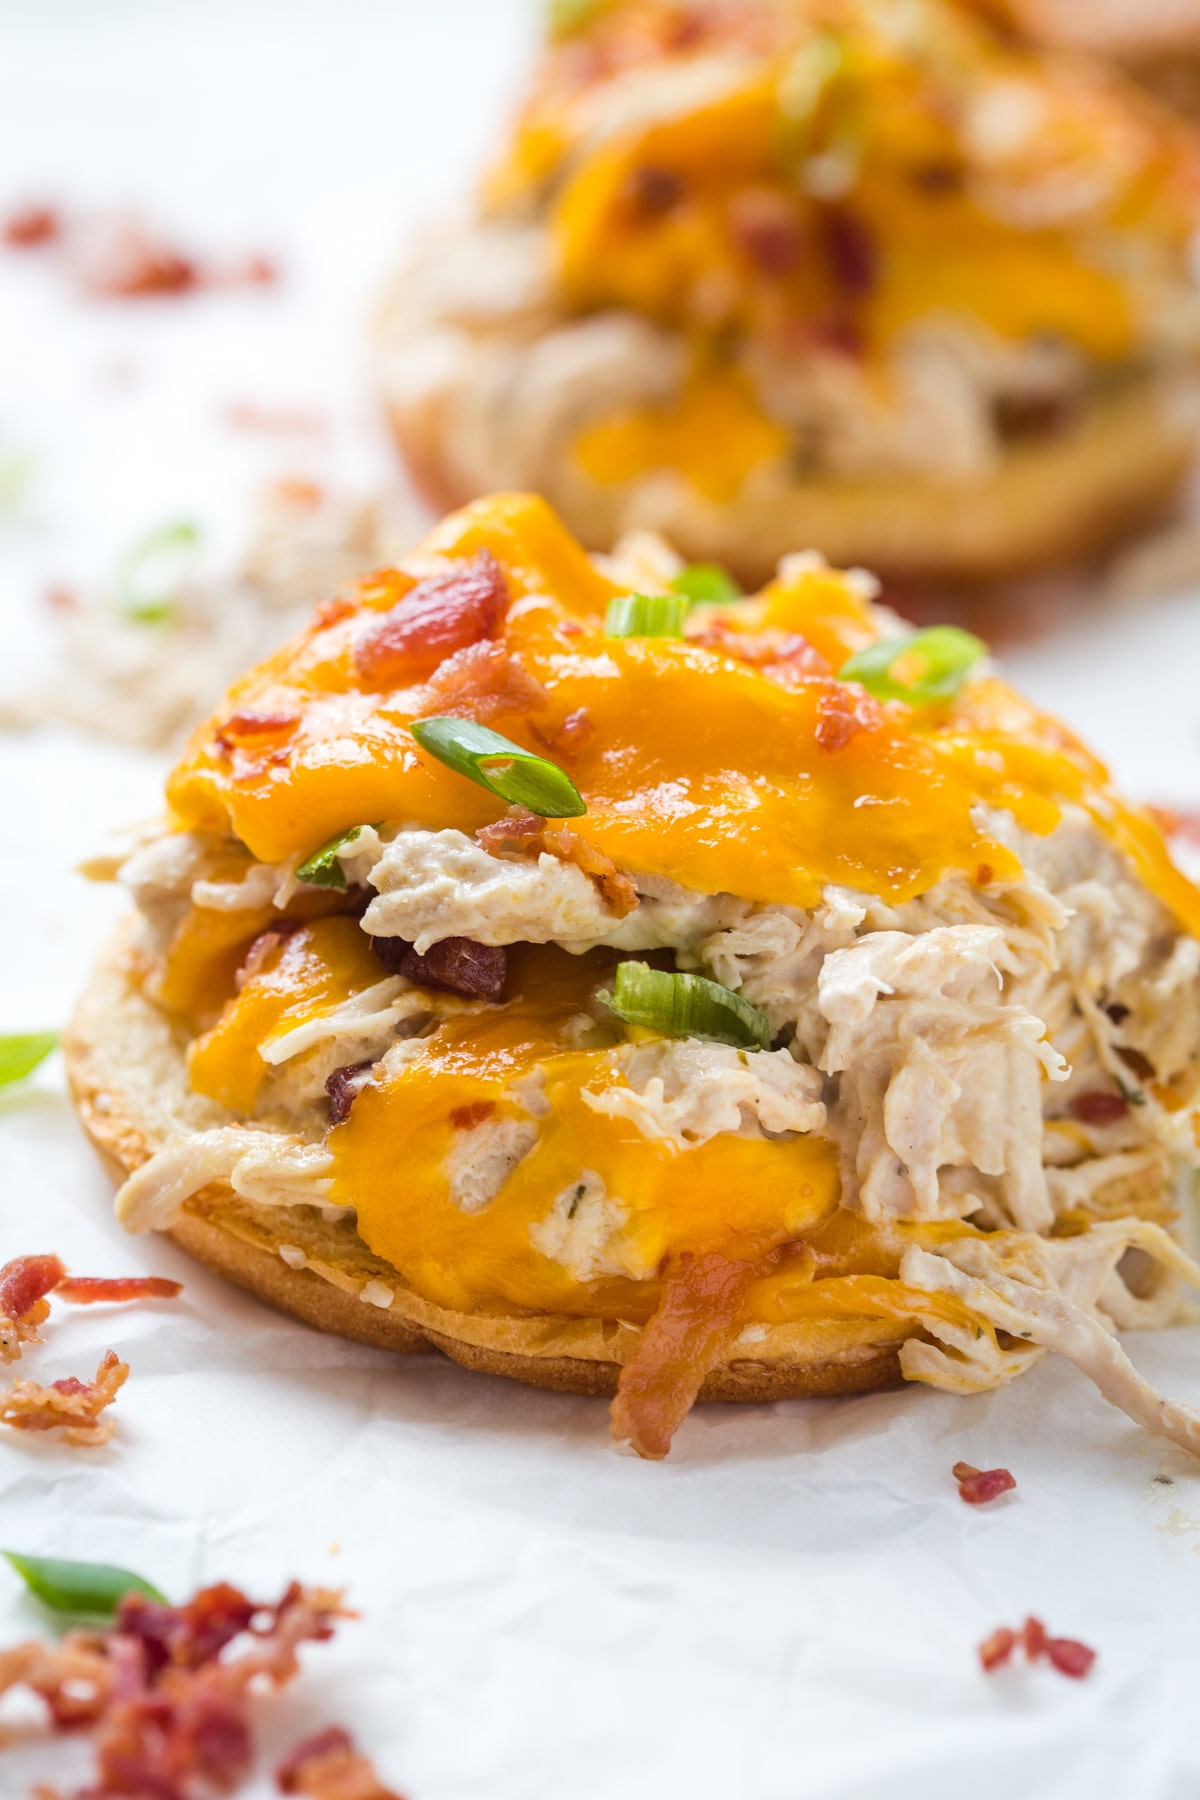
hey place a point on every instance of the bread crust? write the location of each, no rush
(1050, 504)
(125, 1064)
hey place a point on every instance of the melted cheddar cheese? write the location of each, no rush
(697, 764)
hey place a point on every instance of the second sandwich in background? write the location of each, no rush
(879, 280)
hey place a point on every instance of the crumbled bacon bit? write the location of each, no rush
(465, 1118)
(575, 731)
(483, 682)
(843, 710)
(1067, 1655)
(264, 946)
(978, 1486)
(247, 415)
(70, 1406)
(458, 964)
(1099, 1108)
(343, 1087)
(652, 192)
(996, 1650)
(31, 227)
(522, 833)
(168, 1709)
(768, 230)
(984, 875)
(1070, 1657)
(783, 656)
(250, 724)
(87, 1290)
(851, 253)
(24, 1285)
(326, 1766)
(698, 1312)
(439, 615)
(128, 261)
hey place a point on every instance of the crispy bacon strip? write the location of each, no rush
(168, 1708)
(326, 1766)
(698, 1314)
(71, 1406)
(439, 615)
(978, 1486)
(24, 1285)
(88, 1290)
(522, 833)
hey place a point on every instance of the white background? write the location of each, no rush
(787, 1609)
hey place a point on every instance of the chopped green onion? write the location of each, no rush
(646, 616)
(706, 582)
(16, 477)
(923, 667)
(809, 74)
(565, 17)
(323, 869)
(92, 1590)
(686, 1006)
(500, 766)
(151, 573)
(21, 1054)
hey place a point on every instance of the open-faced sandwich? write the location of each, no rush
(874, 278)
(1157, 41)
(628, 991)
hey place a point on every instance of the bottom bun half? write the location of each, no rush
(127, 1069)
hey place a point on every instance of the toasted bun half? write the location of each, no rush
(127, 1072)
(475, 412)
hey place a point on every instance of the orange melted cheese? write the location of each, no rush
(697, 766)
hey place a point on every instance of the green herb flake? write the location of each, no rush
(86, 1589)
(922, 667)
(323, 868)
(21, 1053)
(706, 584)
(151, 573)
(646, 616)
(513, 774)
(683, 1005)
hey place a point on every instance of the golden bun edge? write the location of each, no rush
(127, 1072)
(1046, 505)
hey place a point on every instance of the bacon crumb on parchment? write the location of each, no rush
(522, 833)
(24, 1284)
(1067, 1655)
(32, 226)
(89, 1290)
(978, 1486)
(71, 1406)
(326, 1766)
(167, 1708)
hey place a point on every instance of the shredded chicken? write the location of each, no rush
(260, 1165)
(685, 1092)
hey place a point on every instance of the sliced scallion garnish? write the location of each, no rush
(21, 1053)
(706, 583)
(646, 616)
(922, 667)
(500, 766)
(151, 573)
(90, 1590)
(323, 869)
(683, 1006)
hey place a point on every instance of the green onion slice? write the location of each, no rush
(322, 869)
(565, 17)
(21, 1054)
(683, 1006)
(93, 1590)
(151, 573)
(706, 583)
(922, 668)
(500, 766)
(646, 616)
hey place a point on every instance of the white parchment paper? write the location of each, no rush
(789, 1608)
